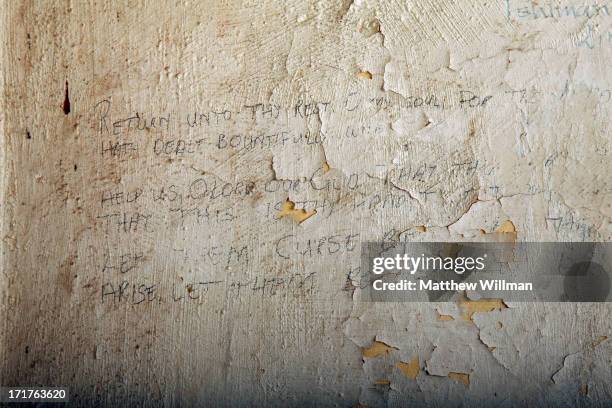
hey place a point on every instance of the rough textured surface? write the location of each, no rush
(206, 251)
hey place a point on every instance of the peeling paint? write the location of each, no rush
(445, 318)
(365, 75)
(377, 349)
(460, 377)
(299, 215)
(296, 132)
(469, 307)
(410, 369)
(598, 341)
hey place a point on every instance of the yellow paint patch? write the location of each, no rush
(365, 75)
(460, 377)
(469, 307)
(507, 227)
(299, 215)
(377, 349)
(326, 167)
(445, 318)
(506, 232)
(421, 228)
(383, 381)
(598, 341)
(411, 369)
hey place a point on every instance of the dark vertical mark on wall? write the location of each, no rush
(28, 135)
(66, 101)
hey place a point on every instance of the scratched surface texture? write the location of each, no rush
(185, 187)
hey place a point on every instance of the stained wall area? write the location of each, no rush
(186, 186)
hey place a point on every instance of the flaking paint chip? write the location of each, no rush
(506, 231)
(411, 369)
(326, 167)
(445, 318)
(378, 348)
(460, 377)
(469, 307)
(365, 75)
(598, 341)
(507, 227)
(299, 215)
